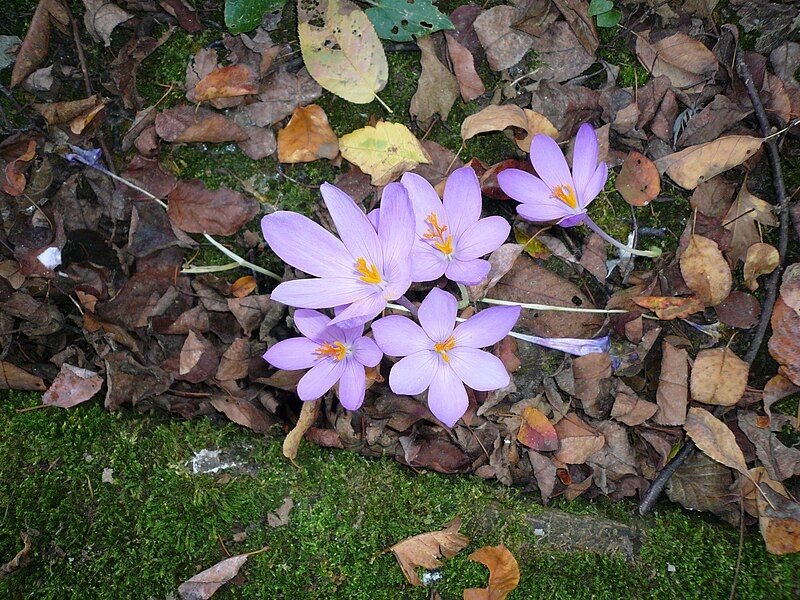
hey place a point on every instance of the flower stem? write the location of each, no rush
(553, 308)
(464, 302)
(596, 228)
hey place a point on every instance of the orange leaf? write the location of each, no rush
(536, 431)
(244, 286)
(668, 307)
(425, 550)
(503, 573)
(307, 137)
(225, 82)
(638, 181)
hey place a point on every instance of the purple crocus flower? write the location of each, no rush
(451, 237)
(558, 194)
(331, 353)
(442, 358)
(365, 269)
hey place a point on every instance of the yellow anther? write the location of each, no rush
(443, 348)
(335, 350)
(566, 194)
(369, 274)
(437, 234)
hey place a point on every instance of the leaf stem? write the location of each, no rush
(530, 306)
(384, 105)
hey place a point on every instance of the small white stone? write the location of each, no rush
(50, 258)
(108, 475)
(671, 568)
(538, 532)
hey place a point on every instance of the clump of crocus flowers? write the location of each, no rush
(415, 237)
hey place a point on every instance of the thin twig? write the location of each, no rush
(770, 288)
(741, 549)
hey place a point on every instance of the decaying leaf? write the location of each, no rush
(203, 585)
(742, 220)
(503, 573)
(426, 549)
(578, 440)
(437, 89)
(760, 259)
(705, 270)
(345, 55)
(244, 286)
(667, 308)
(672, 394)
(790, 286)
(36, 44)
(384, 151)
(686, 61)
(226, 82)
(715, 439)
(187, 124)
(308, 414)
(629, 408)
(196, 209)
(696, 164)
(537, 124)
(494, 118)
(778, 521)
(718, 377)
(469, 82)
(307, 137)
(14, 378)
(101, 17)
(21, 558)
(72, 386)
(638, 181)
(536, 431)
(703, 484)
(504, 45)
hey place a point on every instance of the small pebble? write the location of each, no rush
(108, 475)
(671, 568)
(538, 532)
(240, 536)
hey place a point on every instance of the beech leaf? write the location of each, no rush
(307, 137)
(715, 439)
(705, 271)
(718, 377)
(696, 164)
(638, 181)
(494, 118)
(503, 573)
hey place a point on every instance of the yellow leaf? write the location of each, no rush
(383, 151)
(345, 55)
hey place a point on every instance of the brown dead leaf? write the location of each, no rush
(235, 361)
(591, 373)
(578, 440)
(784, 345)
(576, 13)
(696, 164)
(21, 558)
(667, 308)
(536, 431)
(707, 125)
(503, 573)
(13, 180)
(469, 82)
(705, 270)
(780, 461)
(35, 46)
(790, 286)
(307, 137)
(713, 197)
(778, 521)
(56, 113)
(242, 412)
(537, 124)
(742, 220)
(703, 484)
(739, 309)
(718, 377)
(196, 209)
(638, 181)
(426, 549)
(187, 124)
(14, 378)
(629, 408)
(308, 414)
(494, 118)
(686, 61)
(760, 259)
(72, 386)
(244, 286)
(504, 46)
(715, 439)
(203, 585)
(672, 395)
(226, 82)
(101, 17)
(437, 89)
(561, 54)
(198, 359)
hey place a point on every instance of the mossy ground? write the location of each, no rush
(158, 525)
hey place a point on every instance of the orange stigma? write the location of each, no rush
(436, 233)
(335, 350)
(566, 194)
(443, 348)
(369, 274)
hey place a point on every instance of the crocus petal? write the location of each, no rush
(539, 205)
(300, 242)
(544, 212)
(482, 237)
(360, 311)
(352, 385)
(427, 263)
(574, 346)
(584, 158)
(462, 200)
(437, 314)
(487, 327)
(398, 279)
(478, 369)
(595, 185)
(312, 324)
(293, 354)
(366, 352)
(424, 201)
(400, 336)
(447, 398)
(320, 379)
(413, 374)
(395, 227)
(374, 217)
(549, 162)
(320, 293)
(468, 272)
(352, 225)
(572, 220)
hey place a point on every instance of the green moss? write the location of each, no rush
(157, 524)
(615, 52)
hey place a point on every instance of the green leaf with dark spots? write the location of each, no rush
(403, 20)
(609, 19)
(246, 15)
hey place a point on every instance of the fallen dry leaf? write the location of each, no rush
(705, 270)
(437, 88)
(187, 124)
(196, 209)
(686, 61)
(56, 113)
(779, 521)
(35, 46)
(203, 585)
(784, 345)
(561, 54)
(536, 431)
(667, 308)
(385, 151)
(718, 377)
(101, 17)
(13, 180)
(696, 164)
(344, 55)
(536, 124)
(715, 439)
(244, 286)
(638, 181)
(308, 414)
(672, 394)
(307, 137)
(72, 386)
(504, 45)
(503, 573)
(243, 412)
(21, 558)
(629, 408)
(790, 286)
(426, 549)
(198, 359)
(469, 82)
(226, 82)
(743, 219)
(14, 378)
(760, 259)
(578, 440)
(494, 118)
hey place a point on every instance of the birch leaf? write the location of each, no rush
(696, 164)
(714, 438)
